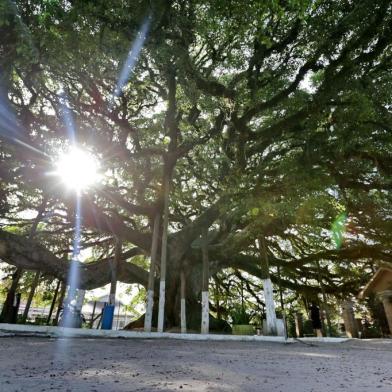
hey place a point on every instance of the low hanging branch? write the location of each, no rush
(28, 254)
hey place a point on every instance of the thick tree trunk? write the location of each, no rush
(60, 304)
(52, 305)
(8, 306)
(324, 306)
(7, 313)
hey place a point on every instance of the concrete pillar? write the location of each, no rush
(270, 307)
(350, 323)
(183, 301)
(386, 298)
(267, 288)
(205, 310)
(80, 299)
(151, 275)
(299, 325)
(162, 282)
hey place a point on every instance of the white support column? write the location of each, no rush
(149, 308)
(151, 276)
(205, 312)
(183, 316)
(268, 289)
(80, 299)
(183, 302)
(270, 307)
(205, 307)
(161, 305)
(162, 283)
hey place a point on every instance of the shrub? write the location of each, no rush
(240, 316)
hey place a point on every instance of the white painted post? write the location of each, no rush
(80, 299)
(162, 282)
(205, 313)
(205, 307)
(268, 289)
(270, 307)
(183, 303)
(151, 275)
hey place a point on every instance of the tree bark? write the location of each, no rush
(92, 315)
(27, 254)
(15, 281)
(60, 304)
(7, 313)
(56, 292)
(324, 303)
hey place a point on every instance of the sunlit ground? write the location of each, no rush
(161, 365)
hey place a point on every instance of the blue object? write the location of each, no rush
(107, 317)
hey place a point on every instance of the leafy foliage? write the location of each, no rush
(270, 118)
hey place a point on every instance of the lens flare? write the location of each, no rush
(132, 58)
(71, 315)
(66, 115)
(77, 169)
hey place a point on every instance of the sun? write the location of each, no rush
(77, 169)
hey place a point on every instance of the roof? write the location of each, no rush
(380, 281)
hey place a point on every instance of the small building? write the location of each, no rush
(381, 285)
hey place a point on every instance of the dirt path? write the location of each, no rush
(97, 365)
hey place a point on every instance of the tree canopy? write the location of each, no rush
(269, 119)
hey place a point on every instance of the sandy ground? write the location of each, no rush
(42, 364)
